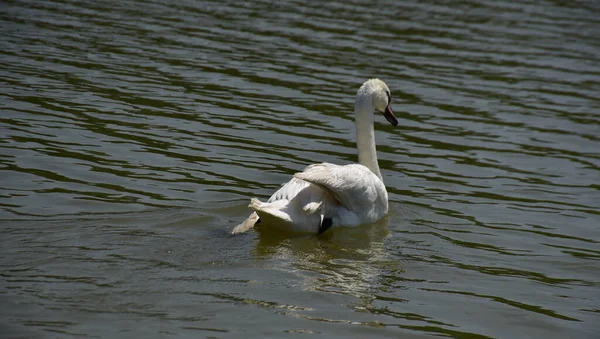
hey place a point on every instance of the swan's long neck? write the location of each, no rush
(365, 135)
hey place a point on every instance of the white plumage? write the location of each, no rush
(327, 195)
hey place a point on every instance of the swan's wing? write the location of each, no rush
(289, 190)
(355, 186)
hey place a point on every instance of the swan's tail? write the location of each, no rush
(271, 212)
(284, 215)
(247, 224)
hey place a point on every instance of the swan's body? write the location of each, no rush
(327, 195)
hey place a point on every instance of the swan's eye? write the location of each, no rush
(389, 97)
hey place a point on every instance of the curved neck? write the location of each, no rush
(365, 136)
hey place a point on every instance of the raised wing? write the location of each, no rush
(354, 186)
(289, 190)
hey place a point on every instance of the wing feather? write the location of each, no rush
(355, 186)
(289, 190)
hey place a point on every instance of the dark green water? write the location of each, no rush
(133, 134)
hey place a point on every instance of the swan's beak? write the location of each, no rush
(389, 115)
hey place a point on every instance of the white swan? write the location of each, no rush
(326, 195)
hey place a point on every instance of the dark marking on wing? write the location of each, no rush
(325, 225)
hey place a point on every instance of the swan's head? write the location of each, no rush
(380, 96)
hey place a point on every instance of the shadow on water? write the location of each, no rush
(360, 242)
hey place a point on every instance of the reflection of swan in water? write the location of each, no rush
(326, 195)
(348, 262)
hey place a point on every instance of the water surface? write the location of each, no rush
(133, 134)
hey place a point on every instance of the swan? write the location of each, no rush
(327, 195)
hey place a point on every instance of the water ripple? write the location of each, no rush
(134, 132)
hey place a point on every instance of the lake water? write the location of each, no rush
(134, 133)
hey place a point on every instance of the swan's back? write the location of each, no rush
(354, 186)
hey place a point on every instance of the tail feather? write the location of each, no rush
(247, 224)
(255, 204)
(271, 212)
(284, 215)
